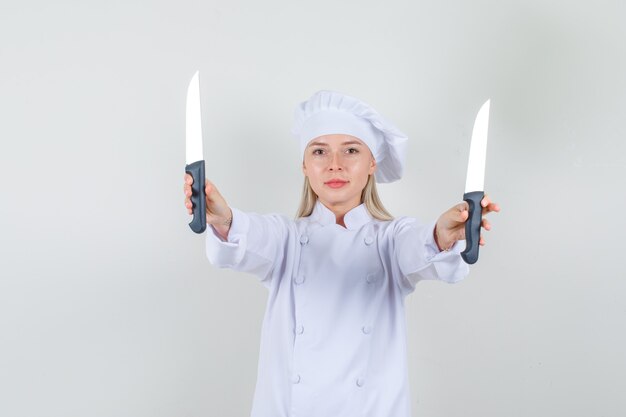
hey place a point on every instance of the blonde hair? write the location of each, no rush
(369, 196)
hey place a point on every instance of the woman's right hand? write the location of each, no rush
(218, 213)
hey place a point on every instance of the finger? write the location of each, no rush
(491, 207)
(461, 212)
(456, 218)
(485, 223)
(488, 205)
(482, 241)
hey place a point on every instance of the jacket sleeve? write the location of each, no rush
(256, 244)
(418, 257)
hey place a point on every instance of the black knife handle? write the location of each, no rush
(198, 197)
(472, 226)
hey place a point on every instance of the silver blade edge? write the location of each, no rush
(193, 147)
(475, 180)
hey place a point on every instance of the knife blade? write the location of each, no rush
(474, 184)
(194, 157)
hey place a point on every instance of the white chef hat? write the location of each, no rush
(330, 112)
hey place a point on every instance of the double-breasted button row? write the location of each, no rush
(370, 278)
(304, 239)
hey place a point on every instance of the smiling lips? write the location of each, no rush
(336, 183)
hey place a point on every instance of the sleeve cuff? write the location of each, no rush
(227, 253)
(447, 265)
(432, 249)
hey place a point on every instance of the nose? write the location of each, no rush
(335, 162)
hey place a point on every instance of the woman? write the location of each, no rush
(334, 339)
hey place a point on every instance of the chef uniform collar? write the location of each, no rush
(353, 219)
(330, 112)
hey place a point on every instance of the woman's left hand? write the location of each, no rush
(450, 226)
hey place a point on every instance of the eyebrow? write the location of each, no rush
(350, 142)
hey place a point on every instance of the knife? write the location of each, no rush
(195, 160)
(474, 184)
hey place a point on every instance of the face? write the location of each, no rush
(338, 167)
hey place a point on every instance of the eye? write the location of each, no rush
(353, 150)
(318, 151)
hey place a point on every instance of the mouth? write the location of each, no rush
(336, 183)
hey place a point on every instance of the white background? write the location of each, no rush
(108, 304)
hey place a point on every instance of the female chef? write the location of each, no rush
(333, 338)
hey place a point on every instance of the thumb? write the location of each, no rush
(214, 198)
(461, 212)
(209, 189)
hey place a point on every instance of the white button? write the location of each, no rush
(360, 382)
(366, 329)
(371, 278)
(304, 239)
(296, 379)
(300, 329)
(369, 240)
(299, 279)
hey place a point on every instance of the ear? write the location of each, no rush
(373, 166)
(303, 168)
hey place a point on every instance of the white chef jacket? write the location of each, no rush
(333, 340)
